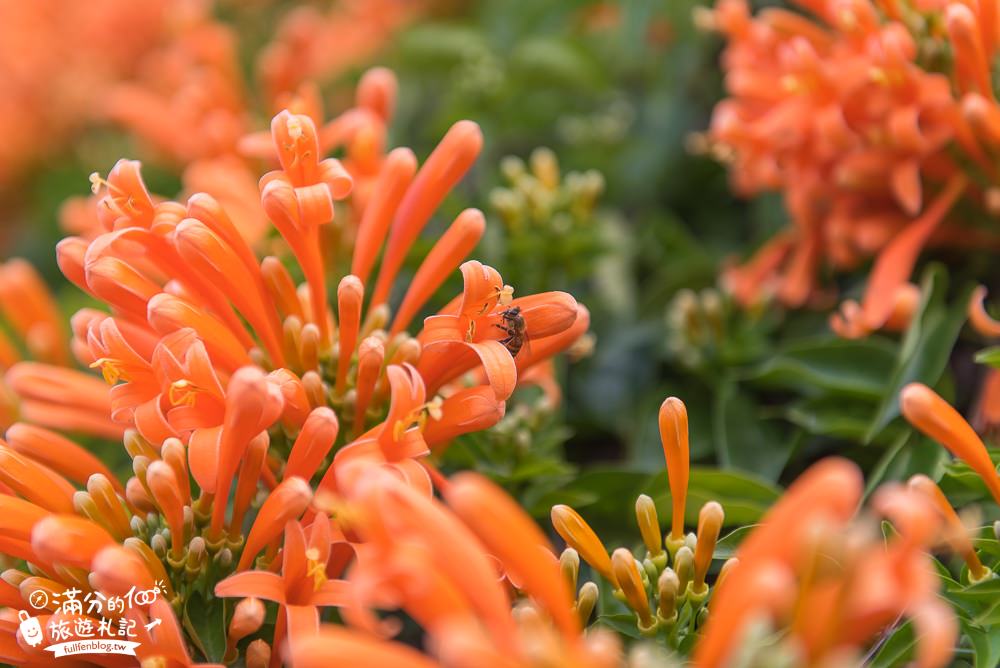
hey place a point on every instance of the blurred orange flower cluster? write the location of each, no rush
(53, 56)
(169, 73)
(874, 118)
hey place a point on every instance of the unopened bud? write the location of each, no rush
(649, 524)
(569, 564)
(587, 601)
(668, 587)
(247, 618)
(629, 580)
(258, 654)
(709, 525)
(726, 569)
(684, 567)
(578, 535)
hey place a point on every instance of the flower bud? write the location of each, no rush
(629, 580)
(668, 587)
(569, 564)
(725, 571)
(709, 525)
(586, 601)
(258, 654)
(247, 618)
(578, 535)
(673, 421)
(649, 524)
(684, 567)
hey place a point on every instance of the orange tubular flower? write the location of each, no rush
(674, 436)
(578, 535)
(444, 168)
(61, 398)
(958, 534)
(32, 312)
(832, 583)
(300, 198)
(230, 383)
(335, 645)
(933, 416)
(470, 330)
(301, 588)
(511, 536)
(762, 583)
(842, 108)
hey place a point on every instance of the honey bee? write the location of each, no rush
(514, 326)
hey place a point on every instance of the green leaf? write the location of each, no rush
(205, 623)
(439, 44)
(909, 454)
(990, 356)
(833, 418)
(927, 344)
(624, 624)
(985, 646)
(853, 368)
(555, 62)
(743, 439)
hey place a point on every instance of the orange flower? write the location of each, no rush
(511, 536)
(933, 416)
(301, 588)
(833, 584)
(335, 645)
(958, 534)
(674, 436)
(855, 125)
(577, 533)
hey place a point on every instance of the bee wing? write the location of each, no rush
(525, 345)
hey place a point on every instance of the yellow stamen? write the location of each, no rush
(183, 392)
(111, 369)
(315, 569)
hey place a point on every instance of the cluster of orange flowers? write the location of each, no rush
(874, 118)
(816, 582)
(230, 381)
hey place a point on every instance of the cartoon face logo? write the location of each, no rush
(30, 629)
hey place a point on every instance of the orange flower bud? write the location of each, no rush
(247, 618)
(350, 295)
(958, 534)
(446, 165)
(287, 502)
(35, 482)
(166, 493)
(649, 524)
(578, 535)
(116, 569)
(69, 540)
(313, 443)
(674, 435)
(626, 572)
(709, 525)
(258, 654)
(932, 415)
